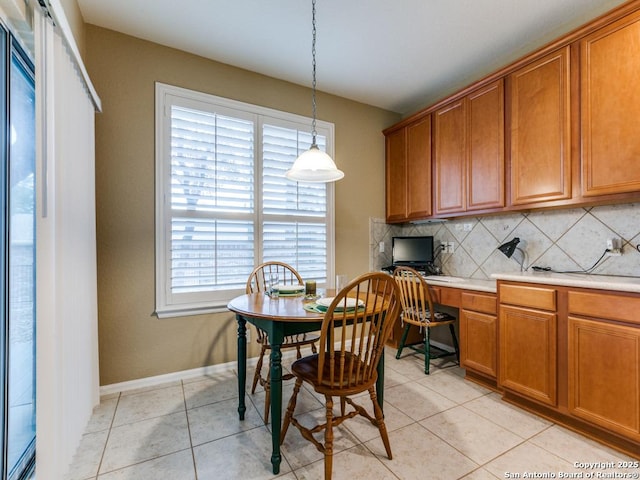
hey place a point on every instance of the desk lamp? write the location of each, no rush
(510, 248)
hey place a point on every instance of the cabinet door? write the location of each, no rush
(528, 351)
(604, 375)
(419, 169)
(450, 158)
(395, 175)
(478, 340)
(485, 156)
(540, 130)
(610, 102)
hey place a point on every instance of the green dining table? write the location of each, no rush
(279, 317)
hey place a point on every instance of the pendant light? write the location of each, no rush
(314, 165)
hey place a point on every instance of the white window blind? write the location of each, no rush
(224, 204)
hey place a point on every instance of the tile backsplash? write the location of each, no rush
(568, 240)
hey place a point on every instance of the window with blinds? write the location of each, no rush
(224, 204)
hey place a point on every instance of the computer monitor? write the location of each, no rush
(416, 252)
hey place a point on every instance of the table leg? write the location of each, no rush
(276, 405)
(242, 364)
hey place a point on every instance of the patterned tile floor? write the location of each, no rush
(440, 427)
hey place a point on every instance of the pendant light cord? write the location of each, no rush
(313, 83)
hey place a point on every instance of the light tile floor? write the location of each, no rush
(440, 427)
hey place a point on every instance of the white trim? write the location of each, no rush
(247, 107)
(213, 307)
(207, 371)
(17, 16)
(55, 10)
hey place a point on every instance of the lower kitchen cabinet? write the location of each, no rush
(604, 362)
(528, 353)
(528, 341)
(573, 355)
(479, 337)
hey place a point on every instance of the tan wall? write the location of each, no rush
(133, 343)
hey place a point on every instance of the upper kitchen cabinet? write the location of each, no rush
(469, 152)
(450, 151)
(408, 171)
(558, 127)
(610, 102)
(540, 128)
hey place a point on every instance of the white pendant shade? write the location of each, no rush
(314, 166)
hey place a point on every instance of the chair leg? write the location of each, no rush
(403, 339)
(256, 375)
(328, 440)
(455, 342)
(380, 422)
(290, 408)
(427, 350)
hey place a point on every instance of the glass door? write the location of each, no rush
(17, 346)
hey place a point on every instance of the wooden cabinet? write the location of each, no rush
(528, 342)
(485, 158)
(450, 158)
(573, 356)
(610, 102)
(604, 361)
(408, 172)
(479, 335)
(556, 127)
(395, 175)
(540, 154)
(469, 152)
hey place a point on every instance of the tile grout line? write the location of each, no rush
(186, 413)
(104, 449)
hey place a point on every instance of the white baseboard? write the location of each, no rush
(182, 375)
(198, 372)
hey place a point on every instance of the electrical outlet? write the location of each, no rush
(450, 247)
(381, 247)
(614, 247)
(468, 227)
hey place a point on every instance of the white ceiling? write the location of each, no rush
(399, 55)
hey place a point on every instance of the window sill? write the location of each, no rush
(187, 311)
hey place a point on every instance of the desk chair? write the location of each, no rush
(258, 281)
(351, 344)
(417, 309)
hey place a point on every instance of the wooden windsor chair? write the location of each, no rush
(418, 309)
(257, 282)
(355, 327)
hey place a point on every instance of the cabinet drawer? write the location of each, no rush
(526, 296)
(450, 297)
(479, 303)
(613, 307)
(445, 296)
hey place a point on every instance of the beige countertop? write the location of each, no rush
(602, 282)
(462, 283)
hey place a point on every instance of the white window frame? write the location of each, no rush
(173, 305)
